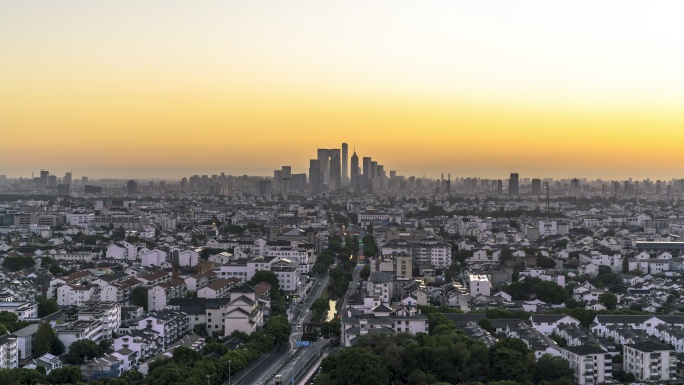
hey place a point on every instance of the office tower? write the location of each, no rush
(365, 182)
(499, 187)
(659, 188)
(3, 180)
(345, 164)
(536, 186)
(315, 182)
(132, 187)
(277, 181)
(513, 184)
(44, 177)
(286, 174)
(52, 180)
(575, 188)
(184, 183)
(355, 171)
(330, 167)
(84, 180)
(67, 178)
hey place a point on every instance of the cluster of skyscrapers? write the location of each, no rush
(334, 169)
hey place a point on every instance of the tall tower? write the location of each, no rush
(330, 164)
(366, 171)
(355, 171)
(345, 164)
(513, 184)
(315, 181)
(536, 186)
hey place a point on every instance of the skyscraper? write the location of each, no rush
(67, 178)
(132, 187)
(355, 172)
(366, 172)
(330, 165)
(315, 182)
(536, 186)
(513, 184)
(345, 164)
(575, 188)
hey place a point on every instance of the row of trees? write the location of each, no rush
(445, 356)
(529, 288)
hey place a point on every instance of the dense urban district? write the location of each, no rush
(343, 276)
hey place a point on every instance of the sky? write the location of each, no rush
(473, 88)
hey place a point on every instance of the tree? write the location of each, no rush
(265, 276)
(279, 328)
(46, 306)
(608, 300)
(22, 376)
(359, 366)
(67, 375)
(82, 349)
(550, 368)
(11, 321)
(546, 262)
(571, 303)
(486, 325)
(18, 262)
(43, 340)
(139, 297)
(365, 273)
(57, 347)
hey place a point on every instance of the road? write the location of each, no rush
(299, 367)
(297, 315)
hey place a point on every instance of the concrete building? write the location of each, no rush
(649, 361)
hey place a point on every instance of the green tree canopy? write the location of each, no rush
(43, 340)
(139, 297)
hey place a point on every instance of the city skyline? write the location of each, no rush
(561, 89)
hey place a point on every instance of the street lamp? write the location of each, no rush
(208, 375)
(229, 361)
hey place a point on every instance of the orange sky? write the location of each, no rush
(144, 90)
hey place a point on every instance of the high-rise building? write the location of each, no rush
(67, 178)
(330, 165)
(286, 175)
(132, 187)
(315, 182)
(345, 164)
(513, 184)
(84, 180)
(365, 182)
(499, 187)
(575, 191)
(355, 172)
(44, 174)
(536, 186)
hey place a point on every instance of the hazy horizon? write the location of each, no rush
(131, 89)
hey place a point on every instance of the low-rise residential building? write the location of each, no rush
(9, 352)
(649, 361)
(70, 332)
(169, 324)
(590, 364)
